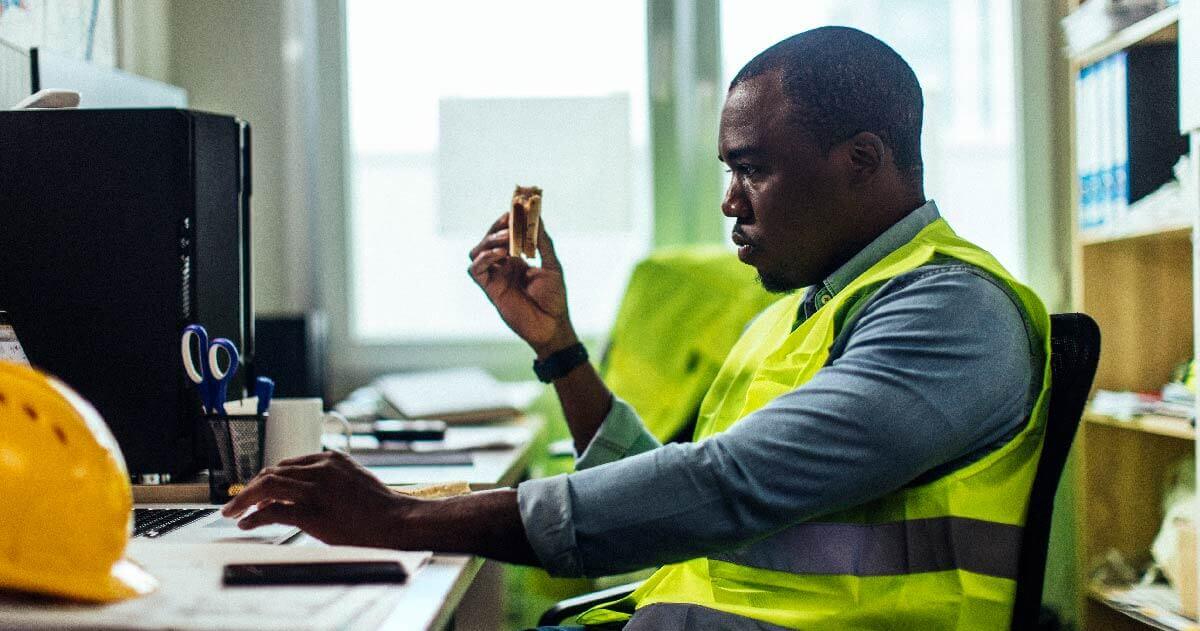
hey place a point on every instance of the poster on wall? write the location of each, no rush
(80, 29)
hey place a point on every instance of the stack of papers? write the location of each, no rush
(459, 395)
(1125, 406)
(1154, 604)
(190, 593)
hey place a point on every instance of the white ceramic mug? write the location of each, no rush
(294, 428)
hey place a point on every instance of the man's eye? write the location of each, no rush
(743, 169)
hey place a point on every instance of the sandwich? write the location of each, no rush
(523, 221)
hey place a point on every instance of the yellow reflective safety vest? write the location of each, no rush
(939, 555)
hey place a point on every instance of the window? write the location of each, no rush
(962, 53)
(452, 104)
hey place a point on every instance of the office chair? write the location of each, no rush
(1074, 353)
(682, 311)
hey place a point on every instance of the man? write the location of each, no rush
(864, 457)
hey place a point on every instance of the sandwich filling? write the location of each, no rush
(523, 221)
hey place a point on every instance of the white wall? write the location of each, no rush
(67, 27)
(228, 55)
(143, 38)
(241, 58)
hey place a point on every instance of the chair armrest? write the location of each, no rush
(569, 607)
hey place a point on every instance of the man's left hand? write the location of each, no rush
(328, 496)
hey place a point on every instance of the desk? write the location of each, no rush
(431, 602)
(432, 598)
(453, 575)
(491, 468)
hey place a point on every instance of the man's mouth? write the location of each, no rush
(745, 247)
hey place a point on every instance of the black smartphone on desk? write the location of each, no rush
(409, 430)
(323, 573)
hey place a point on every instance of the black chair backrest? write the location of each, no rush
(1074, 352)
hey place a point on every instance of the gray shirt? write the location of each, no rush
(935, 370)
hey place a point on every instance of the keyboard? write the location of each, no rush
(155, 522)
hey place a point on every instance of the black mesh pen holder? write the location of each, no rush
(238, 441)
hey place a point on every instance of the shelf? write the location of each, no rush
(1135, 275)
(1159, 28)
(1149, 424)
(1178, 229)
(1148, 617)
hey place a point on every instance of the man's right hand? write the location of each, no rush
(531, 300)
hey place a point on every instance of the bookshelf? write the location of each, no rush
(1137, 280)
(1170, 230)
(1160, 28)
(1150, 424)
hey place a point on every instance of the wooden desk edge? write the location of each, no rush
(399, 616)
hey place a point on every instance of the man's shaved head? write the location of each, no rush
(841, 81)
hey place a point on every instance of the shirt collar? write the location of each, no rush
(900, 233)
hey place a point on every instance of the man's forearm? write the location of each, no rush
(584, 398)
(487, 523)
(585, 402)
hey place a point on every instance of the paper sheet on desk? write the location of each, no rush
(190, 595)
(456, 395)
(496, 437)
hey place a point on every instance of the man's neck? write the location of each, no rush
(884, 216)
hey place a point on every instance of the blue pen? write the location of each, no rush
(263, 389)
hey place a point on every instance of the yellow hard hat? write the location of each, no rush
(67, 507)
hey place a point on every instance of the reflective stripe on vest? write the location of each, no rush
(902, 547)
(681, 617)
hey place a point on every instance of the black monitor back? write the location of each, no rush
(117, 228)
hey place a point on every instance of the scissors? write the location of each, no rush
(210, 380)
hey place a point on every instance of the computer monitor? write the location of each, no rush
(121, 227)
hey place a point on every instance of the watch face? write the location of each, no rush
(559, 363)
(10, 348)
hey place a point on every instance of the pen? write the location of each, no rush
(263, 389)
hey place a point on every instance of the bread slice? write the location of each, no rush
(523, 221)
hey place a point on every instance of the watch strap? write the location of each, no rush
(559, 363)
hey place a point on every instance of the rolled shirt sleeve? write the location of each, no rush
(621, 434)
(937, 370)
(545, 503)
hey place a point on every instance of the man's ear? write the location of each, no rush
(866, 156)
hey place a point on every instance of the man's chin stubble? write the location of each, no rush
(775, 285)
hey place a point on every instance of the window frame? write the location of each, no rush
(686, 92)
(689, 34)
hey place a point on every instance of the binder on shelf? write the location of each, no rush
(1127, 137)
(1088, 145)
(1121, 129)
(1081, 157)
(1109, 90)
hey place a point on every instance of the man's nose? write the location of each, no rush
(735, 205)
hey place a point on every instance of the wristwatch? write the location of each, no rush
(559, 363)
